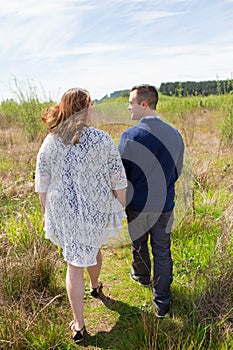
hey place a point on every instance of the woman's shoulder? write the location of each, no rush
(49, 142)
(98, 134)
(49, 138)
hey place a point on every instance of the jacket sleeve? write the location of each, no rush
(124, 149)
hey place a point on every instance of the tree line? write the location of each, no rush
(187, 88)
(204, 88)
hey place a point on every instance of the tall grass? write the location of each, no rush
(227, 123)
(25, 109)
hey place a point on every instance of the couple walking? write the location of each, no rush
(84, 183)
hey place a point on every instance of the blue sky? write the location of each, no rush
(110, 45)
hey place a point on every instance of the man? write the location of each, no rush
(152, 153)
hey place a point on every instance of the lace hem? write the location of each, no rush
(78, 253)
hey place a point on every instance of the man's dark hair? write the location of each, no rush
(147, 93)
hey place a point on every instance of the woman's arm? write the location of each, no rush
(42, 196)
(121, 196)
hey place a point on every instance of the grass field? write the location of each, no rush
(34, 308)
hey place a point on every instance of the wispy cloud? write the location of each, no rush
(200, 49)
(33, 8)
(88, 49)
(147, 17)
(38, 27)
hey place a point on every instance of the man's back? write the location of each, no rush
(152, 153)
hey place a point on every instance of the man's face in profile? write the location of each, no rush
(135, 109)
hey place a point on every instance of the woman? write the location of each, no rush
(81, 183)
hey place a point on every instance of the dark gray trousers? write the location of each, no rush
(157, 226)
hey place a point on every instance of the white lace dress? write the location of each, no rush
(81, 212)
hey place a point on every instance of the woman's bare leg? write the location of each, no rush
(94, 271)
(75, 289)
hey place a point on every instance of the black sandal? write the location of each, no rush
(95, 291)
(78, 335)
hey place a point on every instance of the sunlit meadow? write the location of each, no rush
(34, 309)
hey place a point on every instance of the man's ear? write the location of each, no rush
(144, 104)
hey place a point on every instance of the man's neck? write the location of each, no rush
(148, 112)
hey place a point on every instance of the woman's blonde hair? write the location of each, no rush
(69, 117)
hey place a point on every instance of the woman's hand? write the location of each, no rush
(121, 196)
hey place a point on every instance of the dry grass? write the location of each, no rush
(17, 164)
(215, 305)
